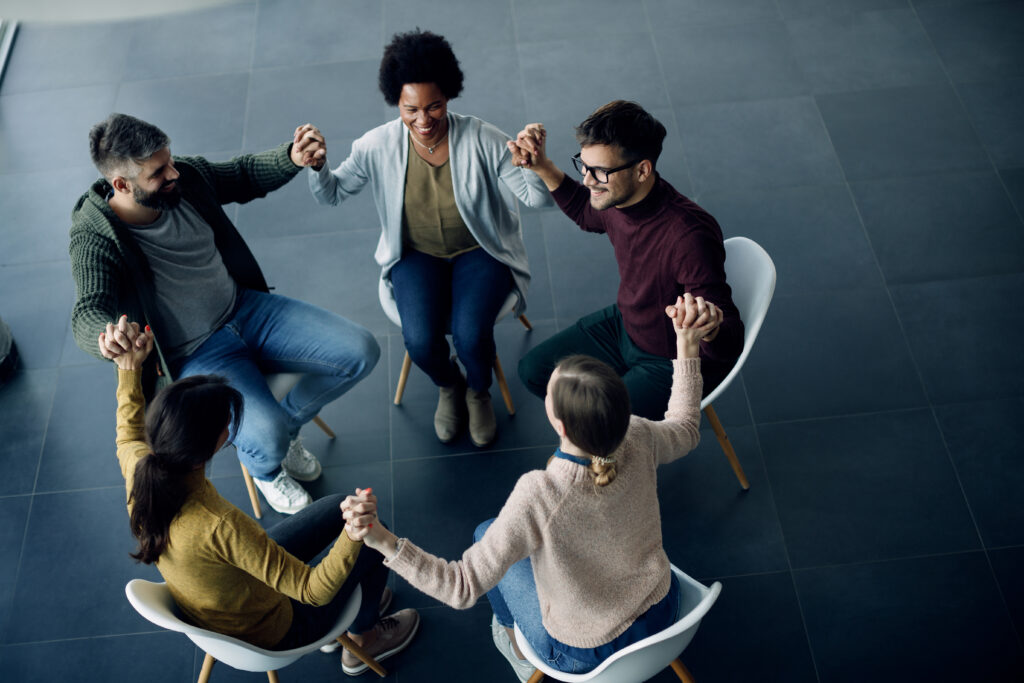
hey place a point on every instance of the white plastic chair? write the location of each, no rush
(280, 384)
(154, 602)
(387, 302)
(645, 658)
(751, 275)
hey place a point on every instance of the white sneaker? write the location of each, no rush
(300, 464)
(283, 494)
(522, 668)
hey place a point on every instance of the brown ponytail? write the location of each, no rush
(183, 425)
(592, 402)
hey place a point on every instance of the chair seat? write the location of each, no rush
(645, 658)
(154, 602)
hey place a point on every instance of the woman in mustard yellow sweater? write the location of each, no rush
(225, 572)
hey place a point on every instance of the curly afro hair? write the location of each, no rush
(418, 57)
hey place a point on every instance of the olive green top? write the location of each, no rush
(431, 221)
(224, 572)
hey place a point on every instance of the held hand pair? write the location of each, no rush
(126, 344)
(693, 318)
(360, 513)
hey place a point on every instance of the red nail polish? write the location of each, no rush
(370, 526)
(148, 329)
(369, 491)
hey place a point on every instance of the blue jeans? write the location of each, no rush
(268, 333)
(309, 534)
(514, 599)
(464, 294)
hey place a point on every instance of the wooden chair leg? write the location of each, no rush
(503, 385)
(323, 425)
(366, 659)
(204, 673)
(403, 377)
(684, 674)
(254, 497)
(272, 676)
(537, 676)
(525, 322)
(723, 440)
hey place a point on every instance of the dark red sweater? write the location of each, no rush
(665, 246)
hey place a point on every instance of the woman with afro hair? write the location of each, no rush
(451, 249)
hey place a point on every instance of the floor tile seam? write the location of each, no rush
(977, 530)
(101, 636)
(839, 416)
(789, 567)
(463, 454)
(4, 626)
(668, 93)
(257, 70)
(967, 115)
(890, 560)
(522, 87)
(58, 492)
(874, 255)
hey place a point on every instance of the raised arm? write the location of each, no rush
(349, 179)
(128, 346)
(97, 273)
(529, 150)
(679, 433)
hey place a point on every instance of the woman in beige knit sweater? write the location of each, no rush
(225, 572)
(575, 556)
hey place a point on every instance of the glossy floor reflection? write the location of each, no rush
(873, 147)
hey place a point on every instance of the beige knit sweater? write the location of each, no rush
(596, 554)
(222, 569)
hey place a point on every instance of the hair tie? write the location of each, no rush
(600, 460)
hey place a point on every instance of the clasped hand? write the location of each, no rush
(528, 149)
(309, 147)
(126, 344)
(360, 513)
(693, 319)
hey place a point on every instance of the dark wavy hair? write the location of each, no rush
(183, 424)
(592, 402)
(626, 124)
(418, 57)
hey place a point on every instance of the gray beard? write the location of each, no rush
(157, 200)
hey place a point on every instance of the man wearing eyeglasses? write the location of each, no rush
(665, 246)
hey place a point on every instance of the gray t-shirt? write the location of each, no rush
(195, 294)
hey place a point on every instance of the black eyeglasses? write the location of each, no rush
(600, 174)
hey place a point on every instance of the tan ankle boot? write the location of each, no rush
(482, 424)
(448, 416)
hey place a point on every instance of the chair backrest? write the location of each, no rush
(154, 602)
(645, 658)
(751, 275)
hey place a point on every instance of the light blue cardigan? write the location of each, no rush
(478, 157)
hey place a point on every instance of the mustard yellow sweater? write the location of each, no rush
(225, 573)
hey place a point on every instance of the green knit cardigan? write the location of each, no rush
(112, 276)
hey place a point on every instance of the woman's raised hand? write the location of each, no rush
(126, 344)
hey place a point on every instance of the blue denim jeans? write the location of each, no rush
(463, 294)
(268, 333)
(514, 599)
(309, 534)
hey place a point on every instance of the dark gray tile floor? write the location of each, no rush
(872, 146)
